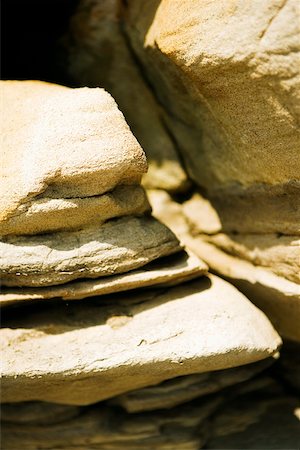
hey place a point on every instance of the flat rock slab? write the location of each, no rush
(81, 353)
(179, 390)
(115, 247)
(170, 270)
(107, 428)
(62, 143)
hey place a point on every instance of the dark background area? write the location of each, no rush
(30, 31)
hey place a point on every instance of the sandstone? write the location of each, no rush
(80, 353)
(172, 392)
(99, 55)
(47, 215)
(279, 254)
(225, 74)
(278, 296)
(63, 143)
(167, 271)
(106, 428)
(117, 246)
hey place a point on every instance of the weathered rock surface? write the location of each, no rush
(82, 353)
(172, 392)
(98, 54)
(276, 295)
(62, 144)
(48, 215)
(174, 269)
(225, 74)
(117, 246)
(229, 81)
(106, 428)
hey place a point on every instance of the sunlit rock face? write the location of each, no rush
(227, 74)
(175, 152)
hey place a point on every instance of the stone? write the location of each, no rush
(48, 215)
(166, 271)
(225, 74)
(115, 247)
(257, 421)
(279, 254)
(107, 428)
(98, 54)
(227, 77)
(179, 390)
(64, 145)
(83, 352)
(276, 295)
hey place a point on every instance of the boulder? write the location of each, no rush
(225, 74)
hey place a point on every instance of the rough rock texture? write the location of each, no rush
(99, 54)
(81, 353)
(170, 270)
(225, 73)
(101, 427)
(115, 247)
(172, 392)
(277, 296)
(92, 152)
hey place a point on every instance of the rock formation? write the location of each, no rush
(114, 333)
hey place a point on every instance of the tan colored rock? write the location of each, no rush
(280, 254)
(47, 215)
(62, 144)
(98, 54)
(101, 427)
(227, 75)
(179, 390)
(115, 247)
(277, 296)
(174, 269)
(80, 353)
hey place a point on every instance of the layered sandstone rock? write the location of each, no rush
(228, 79)
(197, 225)
(99, 54)
(82, 353)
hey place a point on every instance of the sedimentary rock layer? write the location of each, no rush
(115, 247)
(80, 353)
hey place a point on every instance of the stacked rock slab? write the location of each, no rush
(227, 75)
(72, 207)
(69, 155)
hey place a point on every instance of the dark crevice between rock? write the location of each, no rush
(31, 30)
